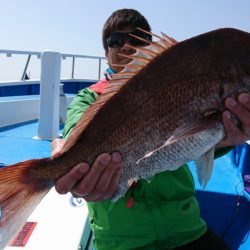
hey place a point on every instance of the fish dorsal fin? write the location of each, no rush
(142, 55)
(140, 59)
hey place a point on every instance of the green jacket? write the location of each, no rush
(165, 213)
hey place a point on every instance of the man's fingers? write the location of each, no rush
(94, 183)
(241, 112)
(228, 123)
(231, 131)
(68, 181)
(87, 184)
(112, 186)
(244, 99)
(107, 176)
(106, 184)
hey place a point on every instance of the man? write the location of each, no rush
(162, 213)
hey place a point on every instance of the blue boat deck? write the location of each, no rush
(17, 143)
(224, 203)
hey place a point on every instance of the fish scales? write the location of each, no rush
(165, 114)
(178, 87)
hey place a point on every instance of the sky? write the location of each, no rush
(75, 26)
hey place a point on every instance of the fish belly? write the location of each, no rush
(169, 158)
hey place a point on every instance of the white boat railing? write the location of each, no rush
(23, 79)
(50, 82)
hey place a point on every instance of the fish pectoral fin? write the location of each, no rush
(189, 129)
(204, 167)
(180, 134)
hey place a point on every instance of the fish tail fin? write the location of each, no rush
(18, 198)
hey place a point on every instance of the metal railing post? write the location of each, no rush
(73, 67)
(25, 68)
(48, 125)
(99, 69)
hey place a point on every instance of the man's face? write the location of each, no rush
(112, 54)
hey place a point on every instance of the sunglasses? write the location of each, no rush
(118, 39)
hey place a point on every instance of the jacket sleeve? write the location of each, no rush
(77, 108)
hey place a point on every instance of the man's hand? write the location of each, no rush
(95, 183)
(241, 108)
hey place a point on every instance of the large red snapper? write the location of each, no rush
(163, 110)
